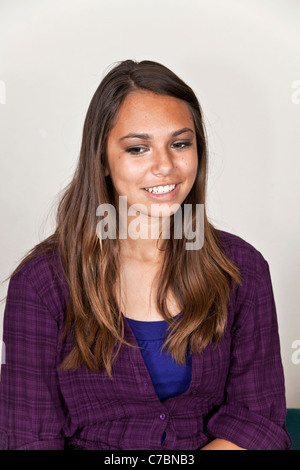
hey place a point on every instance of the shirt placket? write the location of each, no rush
(146, 389)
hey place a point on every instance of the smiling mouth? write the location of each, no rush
(161, 189)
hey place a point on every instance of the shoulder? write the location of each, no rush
(41, 272)
(255, 288)
(242, 253)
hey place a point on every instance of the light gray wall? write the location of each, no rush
(242, 59)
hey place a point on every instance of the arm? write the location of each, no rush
(252, 415)
(221, 444)
(31, 409)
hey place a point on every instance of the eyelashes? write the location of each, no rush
(182, 144)
(140, 149)
(136, 150)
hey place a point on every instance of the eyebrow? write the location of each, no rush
(148, 137)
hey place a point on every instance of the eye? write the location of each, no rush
(136, 150)
(181, 145)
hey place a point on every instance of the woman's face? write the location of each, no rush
(152, 152)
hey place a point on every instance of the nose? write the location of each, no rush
(163, 163)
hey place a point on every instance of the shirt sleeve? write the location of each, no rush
(254, 411)
(31, 407)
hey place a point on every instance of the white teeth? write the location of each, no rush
(161, 189)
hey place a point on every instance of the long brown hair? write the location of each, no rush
(201, 280)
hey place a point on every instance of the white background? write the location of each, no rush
(241, 57)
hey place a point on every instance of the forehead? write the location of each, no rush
(147, 111)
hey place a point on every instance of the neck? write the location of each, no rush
(146, 251)
(142, 238)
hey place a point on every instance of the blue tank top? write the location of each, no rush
(169, 378)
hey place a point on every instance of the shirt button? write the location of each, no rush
(162, 416)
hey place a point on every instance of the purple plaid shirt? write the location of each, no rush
(236, 391)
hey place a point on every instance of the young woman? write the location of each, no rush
(120, 339)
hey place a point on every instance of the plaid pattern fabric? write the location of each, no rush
(236, 391)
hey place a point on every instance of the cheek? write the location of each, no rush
(132, 173)
(124, 178)
(195, 165)
(189, 166)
